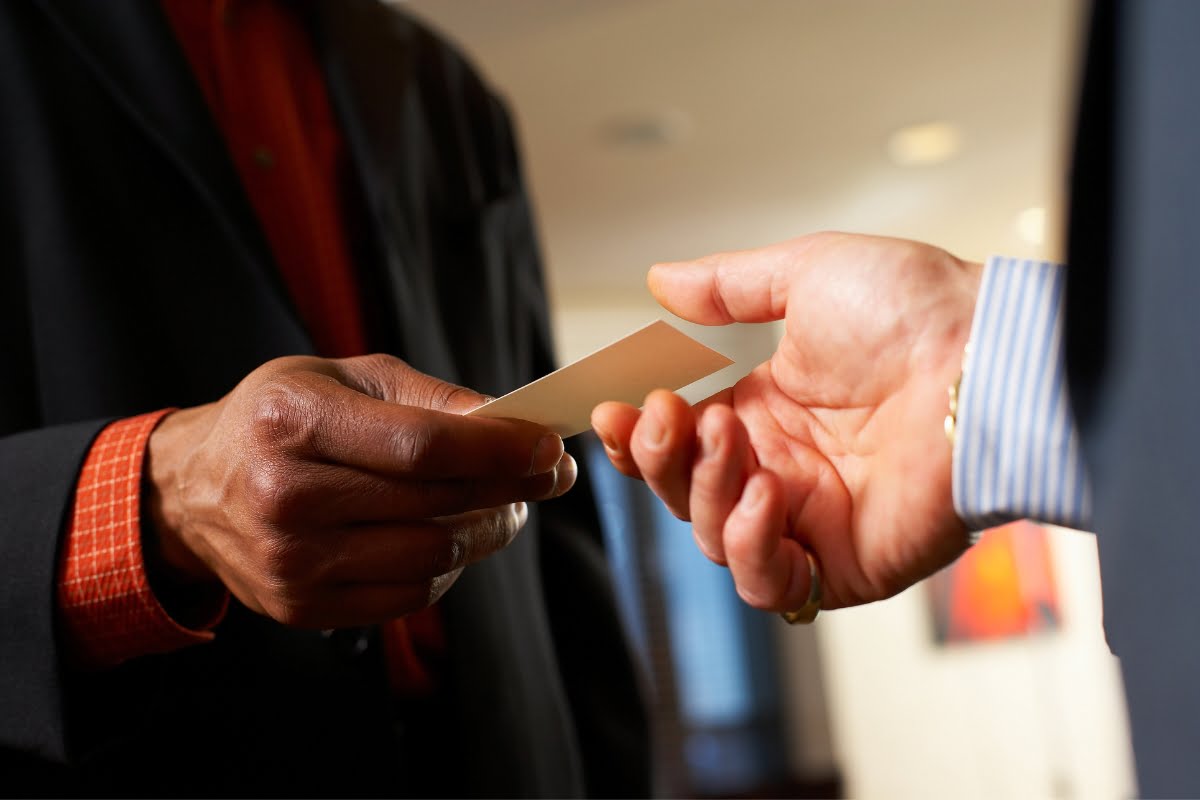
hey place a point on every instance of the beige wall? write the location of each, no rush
(1036, 718)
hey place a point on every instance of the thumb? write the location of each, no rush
(391, 379)
(741, 286)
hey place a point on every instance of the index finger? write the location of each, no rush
(340, 425)
(614, 423)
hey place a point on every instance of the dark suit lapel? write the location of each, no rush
(132, 51)
(368, 54)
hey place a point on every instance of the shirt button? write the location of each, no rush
(264, 157)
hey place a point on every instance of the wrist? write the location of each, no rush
(165, 537)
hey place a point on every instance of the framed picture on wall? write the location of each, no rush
(1003, 587)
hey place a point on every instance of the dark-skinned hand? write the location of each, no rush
(329, 493)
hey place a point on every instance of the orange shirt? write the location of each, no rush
(254, 61)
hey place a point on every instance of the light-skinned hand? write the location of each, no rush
(836, 443)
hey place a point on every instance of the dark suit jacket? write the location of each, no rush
(133, 276)
(1134, 360)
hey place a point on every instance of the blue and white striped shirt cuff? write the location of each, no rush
(1016, 449)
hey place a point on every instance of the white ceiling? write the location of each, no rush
(779, 111)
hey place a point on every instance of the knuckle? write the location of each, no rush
(275, 411)
(705, 493)
(376, 373)
(287, 566)
(394, 379)
(501, 529)
(445, 395)
(274, 493)
(726, 280)
(416, 447)
(497, 532)
(285, 414)
(276, 564)
(427, 391)
(289, 575)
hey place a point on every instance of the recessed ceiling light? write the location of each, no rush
(1031, 225)
(928, 143)
(648, 130)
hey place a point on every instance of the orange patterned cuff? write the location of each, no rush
(108, 611)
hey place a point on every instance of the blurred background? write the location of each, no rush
(666, 129)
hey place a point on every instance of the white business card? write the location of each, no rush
(657, 356)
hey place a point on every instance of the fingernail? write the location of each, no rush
(752, 496)
(748, 597)
(546, 454)
(654, 433)
(608, 443)
(656, 271)
(522, 514)
(568, 470)
(462, 405)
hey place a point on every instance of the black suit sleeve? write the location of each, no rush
(39, 463)
(39, 470)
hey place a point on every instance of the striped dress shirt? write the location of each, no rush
(1016, 450)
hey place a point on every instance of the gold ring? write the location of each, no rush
(807, 612)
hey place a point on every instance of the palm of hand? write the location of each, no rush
(836, 440)
(848, 413)
(863, 463)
